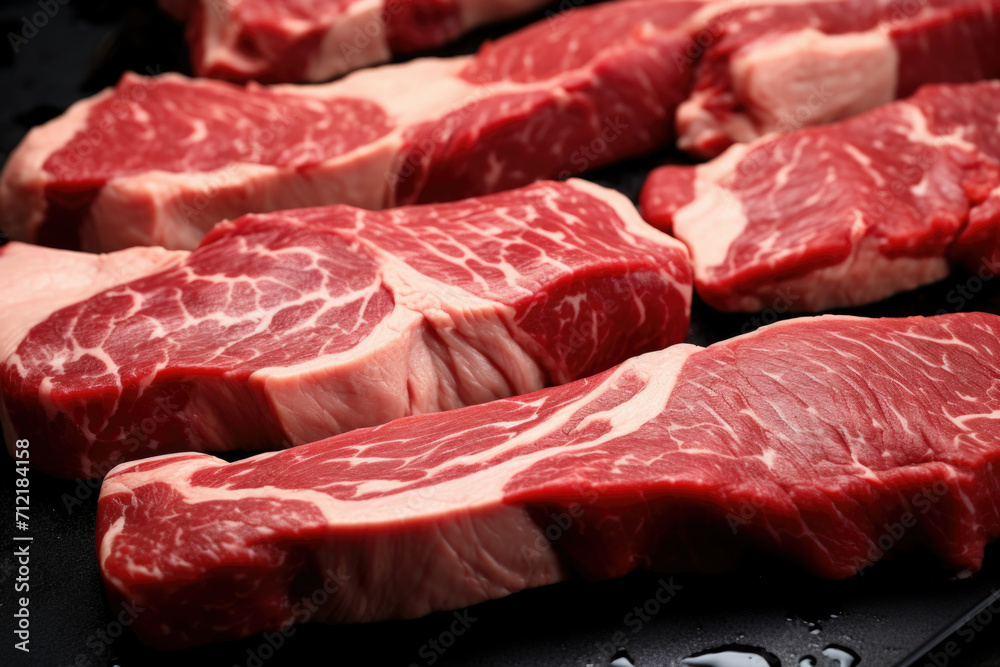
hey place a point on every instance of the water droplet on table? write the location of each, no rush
(733, 656)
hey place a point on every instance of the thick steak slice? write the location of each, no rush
(284, 328)
(285, 41)
(777, 65)
(844, 214)
(809, 439)
(159, 160)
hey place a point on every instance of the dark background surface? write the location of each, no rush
(905, 612)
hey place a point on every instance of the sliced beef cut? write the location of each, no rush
(284, 328)
(35, 282)
(159, 160)
(810, 439)
(286, 41)
(773, 66)
(844, 214)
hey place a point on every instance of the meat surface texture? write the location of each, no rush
(160, 160)
(35, 282)
(284, 328)
(778, 65)
(831, 430)
(283, 41)
(844, 214)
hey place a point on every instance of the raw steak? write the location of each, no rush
(284, 328)
(844, 214)
(158, 161)
(778, 65)
(35, 282)
(831, 430)
(314, 40)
